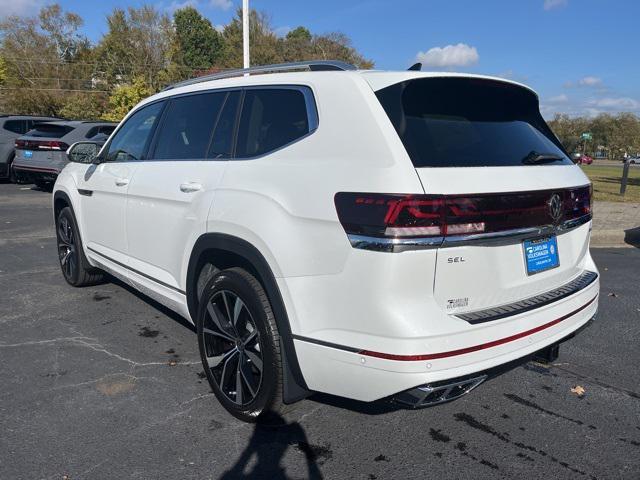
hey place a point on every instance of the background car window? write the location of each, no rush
(16, 126)
(131, 140)
(50, 130)
(270, 119)
(222, 141)
(186, 129)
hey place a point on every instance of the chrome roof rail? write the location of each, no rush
(312, 65)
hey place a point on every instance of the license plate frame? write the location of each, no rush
(540, 254)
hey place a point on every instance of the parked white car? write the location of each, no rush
(366, 234)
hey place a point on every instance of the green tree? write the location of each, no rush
(125, 97)
(40, 55)
(84, 106)
(3, 71)
(198, 45)
(137, 44)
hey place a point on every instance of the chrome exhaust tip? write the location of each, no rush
(433, 394)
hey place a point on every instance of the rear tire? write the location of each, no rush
(240, 345)
(74, 265)
(11, 173)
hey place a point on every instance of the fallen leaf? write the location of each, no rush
(172, 363)
(613, 294)
(578, 390)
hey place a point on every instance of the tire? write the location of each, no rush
(242, 355)
(74, 265)
(44, 185)
(11, 173)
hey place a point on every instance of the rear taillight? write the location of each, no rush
(428, 216)
(40, 145)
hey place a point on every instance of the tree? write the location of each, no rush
(40, 54)
(198, 45)
(125, 97)
(84, 106)
(137, 45)
(3, 71)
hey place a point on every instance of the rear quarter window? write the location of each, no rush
(50, 131)
(15, 126)
(271, 118)
(465, 122)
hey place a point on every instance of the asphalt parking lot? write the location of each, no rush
(101, 382)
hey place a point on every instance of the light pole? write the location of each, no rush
(245, 33)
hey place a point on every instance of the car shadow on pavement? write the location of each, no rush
(632, 237)
(158, 306)
(270, 441)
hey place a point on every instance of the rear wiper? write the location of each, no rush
(534, 157)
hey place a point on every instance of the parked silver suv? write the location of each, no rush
(41, 153)
(11, 127)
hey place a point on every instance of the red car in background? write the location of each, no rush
(584, 160)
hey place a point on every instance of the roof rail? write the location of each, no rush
(312, 65)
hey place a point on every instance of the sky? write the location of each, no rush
(581, 56)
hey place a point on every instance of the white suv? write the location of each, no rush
(366, 234)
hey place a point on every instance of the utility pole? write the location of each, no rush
(245, 33)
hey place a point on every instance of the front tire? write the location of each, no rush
(240, 345)
(74, 265)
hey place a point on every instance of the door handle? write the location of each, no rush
(190, 187)
(122, 182)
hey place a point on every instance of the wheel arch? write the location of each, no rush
(223, 251)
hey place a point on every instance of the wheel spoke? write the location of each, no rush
(214, 362)
(239, 382)
(255, 359)
(247, 341)
(237, 308)
(218, 334)
(226, 306)
(217, 317)
(247, 374)
(65, 257)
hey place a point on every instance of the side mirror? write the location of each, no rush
(83, 152)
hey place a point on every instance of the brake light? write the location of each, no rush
(423, 216)
(40, 145)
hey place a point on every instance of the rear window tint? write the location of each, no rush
(271, 118)
(16, 126)
(102, 130)
(463, 122)
(50, 130)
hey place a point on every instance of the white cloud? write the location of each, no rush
(177, 5)
(219, 28)
(616, 103)
(221, 4)
(551, 4)
(21, 8)
(460, 55)
(558, 99)
(590, 82)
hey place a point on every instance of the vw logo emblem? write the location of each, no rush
(555, 207)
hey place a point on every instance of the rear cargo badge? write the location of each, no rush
(555, 207)
(457, 303)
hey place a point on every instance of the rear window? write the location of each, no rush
(16, 126)
(464, 122)
(50, 130)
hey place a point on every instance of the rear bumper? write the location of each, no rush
(27, 173)
(360, 374)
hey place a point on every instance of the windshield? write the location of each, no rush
(469, 122)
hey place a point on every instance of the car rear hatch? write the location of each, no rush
(506, 207)
(43, 147)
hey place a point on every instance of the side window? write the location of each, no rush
(16, 126)
(271, 118)
(186, 128)
(131, 140)
(222, 141)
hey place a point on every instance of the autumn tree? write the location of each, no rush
(198, 46)
(125, 97)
